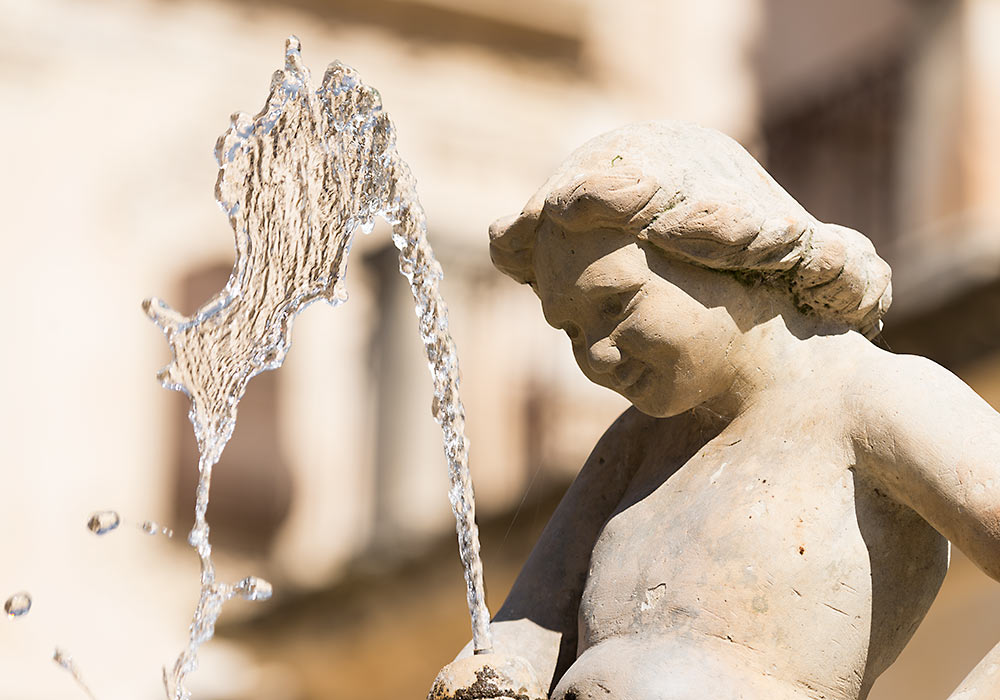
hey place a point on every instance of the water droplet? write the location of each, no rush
(18, 604)
(62, 657)
(151, 527)
(103, 522)
(253, 588)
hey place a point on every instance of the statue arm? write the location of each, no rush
(538, 620)
(936, 449)
(936, 445)
(983, 682)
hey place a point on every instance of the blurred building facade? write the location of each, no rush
(875, 114)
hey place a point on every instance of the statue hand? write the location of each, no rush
(487, 676)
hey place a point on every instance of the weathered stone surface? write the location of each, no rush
(487, 676)
(771, 518)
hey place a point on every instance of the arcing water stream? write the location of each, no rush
(297, 181)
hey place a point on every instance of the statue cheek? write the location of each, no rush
(637, 331)
(655, 343)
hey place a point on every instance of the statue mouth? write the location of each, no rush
(635, 380)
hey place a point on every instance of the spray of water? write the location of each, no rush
(297, 181)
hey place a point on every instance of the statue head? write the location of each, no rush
(691, 207)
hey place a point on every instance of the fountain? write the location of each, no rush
(297, 181)
(779, 548)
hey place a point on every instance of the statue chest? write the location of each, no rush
(759, 546)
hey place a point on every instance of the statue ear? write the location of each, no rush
(616, 197)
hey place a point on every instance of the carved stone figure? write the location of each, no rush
(771, 518)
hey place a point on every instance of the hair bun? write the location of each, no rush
(840, 274)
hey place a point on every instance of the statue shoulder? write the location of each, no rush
(887, 386)
(630, 438)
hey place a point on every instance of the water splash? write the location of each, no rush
(64, 660)
(297, 181)
(18, 604)
(103, 522)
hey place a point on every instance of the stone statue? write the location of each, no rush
(771, 518)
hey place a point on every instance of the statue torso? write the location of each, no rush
(767, 563)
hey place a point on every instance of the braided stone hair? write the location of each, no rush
(699, 197)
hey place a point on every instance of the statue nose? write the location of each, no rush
(604, 355)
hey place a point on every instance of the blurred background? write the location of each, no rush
(876, 114)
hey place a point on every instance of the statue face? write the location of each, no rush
(633, 319)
